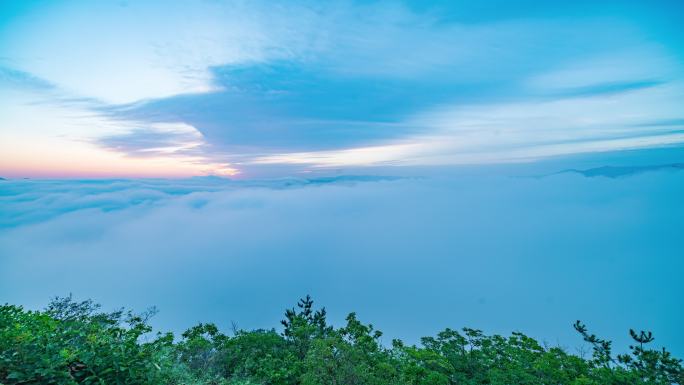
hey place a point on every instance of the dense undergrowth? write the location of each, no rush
(74, 343)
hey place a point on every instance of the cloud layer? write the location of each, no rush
(413, 255)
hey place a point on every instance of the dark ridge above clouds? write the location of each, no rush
(294, 181)
(352, 179)
(623, 171)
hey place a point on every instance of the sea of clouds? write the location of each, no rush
(412, 255)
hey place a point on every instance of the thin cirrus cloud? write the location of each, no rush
(231, 87)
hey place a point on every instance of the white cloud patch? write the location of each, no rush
(159, 138)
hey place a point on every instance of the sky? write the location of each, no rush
(494, 164)
(253, 89)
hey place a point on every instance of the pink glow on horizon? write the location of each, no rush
(125, 168)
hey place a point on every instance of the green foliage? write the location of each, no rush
(349, 355)
(261, 356)
(74, 343)
(71, 343)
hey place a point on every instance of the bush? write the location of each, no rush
(74, 343)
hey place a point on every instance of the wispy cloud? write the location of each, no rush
(154, 139)
(523, 131)
(83, 47)
(10, 77)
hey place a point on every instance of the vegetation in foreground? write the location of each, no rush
(74, 343)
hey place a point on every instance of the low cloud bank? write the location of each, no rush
(413, 255)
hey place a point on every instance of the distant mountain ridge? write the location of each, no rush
(622, 171)
(297, 181)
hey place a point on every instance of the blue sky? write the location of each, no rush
(250, 89)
